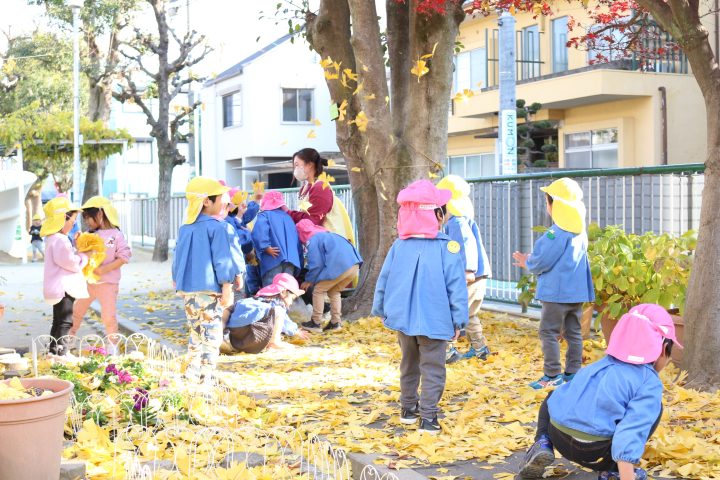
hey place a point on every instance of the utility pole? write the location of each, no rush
(76, 5)
(507, 122)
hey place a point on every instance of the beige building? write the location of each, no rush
(621, 113)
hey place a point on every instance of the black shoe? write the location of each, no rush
(332, 326)
(312, 327)
(430, 426)
(408, 416)
(326, 308)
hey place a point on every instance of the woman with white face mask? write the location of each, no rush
(308, 165)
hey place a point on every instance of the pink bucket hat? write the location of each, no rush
(307, 229)
(281, 282)
(418, 202)
(639, 334)
(272, 201)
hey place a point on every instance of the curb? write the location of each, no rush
(134, 327)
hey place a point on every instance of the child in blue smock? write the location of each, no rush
(605, 416)
(203, 271)
(332, 264)
(275, 239)
(461, 227)
(421, 294)
(229, 215)
(559, 259)
(256, 324)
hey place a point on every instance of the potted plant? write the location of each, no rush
(629, 269)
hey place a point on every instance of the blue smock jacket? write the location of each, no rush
(611, 399)
(244, 235)
(253, 280)
(421, 289)
(249, 310)
(252, 210)
(203, 256)
(465, 231)
(235, 247)
(329, 255)
(275, 228)
(559, 259)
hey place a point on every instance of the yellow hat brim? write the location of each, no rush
(570, 216)
(52, 224)
(461, 207)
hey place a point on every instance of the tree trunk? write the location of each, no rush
(162, 228)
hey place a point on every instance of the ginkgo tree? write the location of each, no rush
(392, 90)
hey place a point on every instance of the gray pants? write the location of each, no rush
(557, 318)
(422, 358)
(284, 267)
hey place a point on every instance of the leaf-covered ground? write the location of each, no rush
(344, 386)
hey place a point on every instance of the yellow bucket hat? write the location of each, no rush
(106, 206)
(460, 204)
(568, 209)
(197, 190)
(55, 211)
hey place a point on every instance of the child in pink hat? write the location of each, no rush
(421, 293)
(256, 324)
(275, 239)
(604, 417)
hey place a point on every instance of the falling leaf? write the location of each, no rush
(331, 163)
(342, 110)
(331, 76)
(370, 97)
(433, 175)
(316, 122)
(356, 169)
(431, 54)
(420, 69)
(387, 100)
(326, 62)
(325, 179)
(358, 89)
(284, 142)
(361, 121)
(311, 134)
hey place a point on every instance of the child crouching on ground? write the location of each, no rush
(421, 293)
(204, 271)
(559, 259)
(332, 263)
(605, 416)
(256, 324)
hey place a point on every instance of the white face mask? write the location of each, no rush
(299, 174)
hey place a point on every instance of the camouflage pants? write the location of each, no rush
(204, 316)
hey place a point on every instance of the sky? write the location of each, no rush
(231, 26)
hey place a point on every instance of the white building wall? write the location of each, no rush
(262, 132)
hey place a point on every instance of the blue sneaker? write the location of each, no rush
(452, 355)
(547, 382)
(481, 354)
(640, 474)
(567, 377)
(539, 456)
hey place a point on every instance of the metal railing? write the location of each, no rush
(663, 199)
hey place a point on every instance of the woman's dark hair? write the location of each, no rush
(667, 347)
(549, 198)
(310, 155)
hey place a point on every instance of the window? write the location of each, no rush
(470, 68)
(529, 52)
(141, 152)
(472, 166)
(297, 104)
(607, 47)
(593, 149)
(559, 44)
(232, 110)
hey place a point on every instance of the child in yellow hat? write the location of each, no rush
(63, 281)
(36, 241)
(204, 271)
(559, 259)
(101, 218)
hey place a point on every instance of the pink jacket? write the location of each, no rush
(63, 270)
(115, 247)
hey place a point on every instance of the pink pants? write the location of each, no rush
(106, 294)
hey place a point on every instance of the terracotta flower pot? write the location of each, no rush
(31, 430)
(586, 320)
(607, 324)
(677, 353)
